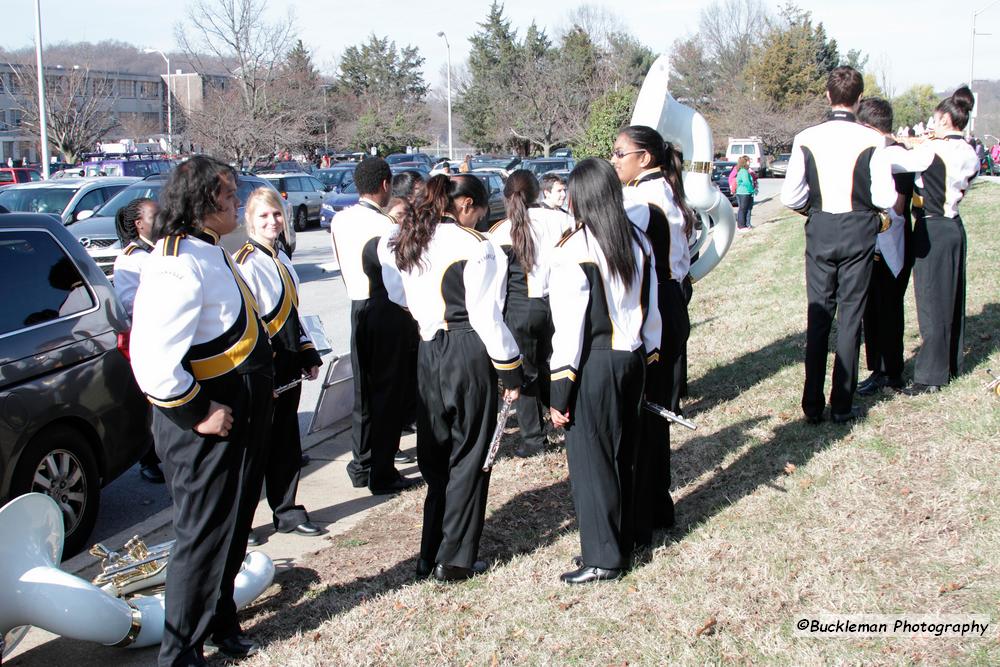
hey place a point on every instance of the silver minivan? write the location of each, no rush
(71, 199)
(303, 192)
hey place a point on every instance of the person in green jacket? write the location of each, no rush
(746, 188)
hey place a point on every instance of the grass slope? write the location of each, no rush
(897, 514)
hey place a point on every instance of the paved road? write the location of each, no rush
(130, 499)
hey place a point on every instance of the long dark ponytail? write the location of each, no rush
(596, 199)
(958, 107)
(668, 159)
(125, 219)
(519, 193)
(414, 237)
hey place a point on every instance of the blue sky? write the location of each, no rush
(916, 42)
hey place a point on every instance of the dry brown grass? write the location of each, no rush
(897, 514)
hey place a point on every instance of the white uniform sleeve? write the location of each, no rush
(883, 187)
(483, 272)
(391, 277)
(795, 188)
(908, 161)
(167, 308)
(569, 297)
(251, 272)
(126, 279)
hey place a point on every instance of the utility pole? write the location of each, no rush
(451, 154)
(43, 119)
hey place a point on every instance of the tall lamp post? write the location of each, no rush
(170, 120)
(451, 154)
(972, 55)
(43, 120)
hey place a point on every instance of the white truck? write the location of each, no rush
(753, 148)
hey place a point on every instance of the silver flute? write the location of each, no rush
(278, 391)
(668, 415)
(498, 434)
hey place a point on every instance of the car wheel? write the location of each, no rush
(300, 219)
(59, 463)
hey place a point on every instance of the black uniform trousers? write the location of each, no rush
(839, 249)
(884, 321)
(601, 443)
(379, 361)
(455, 421)
(215, 484)
(939, 247)
(530, 322)
(674, 301)
(284, 462)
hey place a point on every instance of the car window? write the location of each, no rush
(350, 188)
(246, 186)
(147, 189)
(750, 149)
(294, 184)
(496, 184)
(40, 279)
(34, 176)
(6, 177)
(36, 200)
(316, 184)
(90, 201)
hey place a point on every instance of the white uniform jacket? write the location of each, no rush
(128, 267)
(355, 232)
(457, 286)
(650, 187)
(547, 227)
(590, 310)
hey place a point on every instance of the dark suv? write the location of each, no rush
(72, 418)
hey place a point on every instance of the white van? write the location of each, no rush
(752, 148)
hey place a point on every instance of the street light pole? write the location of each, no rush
(451, 154)
(43, 120)
(170, 120)
(972, 54)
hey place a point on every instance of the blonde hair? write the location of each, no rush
(743, 162)
(262, 196)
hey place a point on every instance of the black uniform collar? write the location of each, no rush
(208, 236)
(950, 135)
(840, 114)
(647, 175)
(448, 217)
(264, 247)
(369, 204)
(143, 244)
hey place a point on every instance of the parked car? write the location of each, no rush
(70, 198)
(337, 176)
(542, 165)
(720, 176)
(336, 202)
(304, 194)
(510, 162)
(73, 418)
(124, 164)
(779, 165)
(753, 148)
(494, 188)
(97, 234)
(422, 158)
(562, 152)
(11, 175)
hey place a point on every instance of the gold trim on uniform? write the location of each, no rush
(288, 299)
(177, 402)
(496, 226)
(563, 375)
(477, 234)
(172, 245)
(652, 358)
(243, 253)
(917, 201)
(698, 167)
(507, 366)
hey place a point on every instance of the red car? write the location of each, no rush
(12, 175)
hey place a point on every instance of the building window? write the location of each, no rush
(149, 90)
(15, 117)
(126, 88)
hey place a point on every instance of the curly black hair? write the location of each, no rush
(189, 196)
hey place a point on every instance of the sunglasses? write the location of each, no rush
(617, 153)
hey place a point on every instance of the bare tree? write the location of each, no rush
(78, 106)
(730, 30)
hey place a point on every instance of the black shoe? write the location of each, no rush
(401, 484)
(586, 574)
(359, 482)
(307, 528)
(814, 419)
(525, 450)
(916, 389)
(253, 540)
(895, 383)
(235, 647)
(403, 457)
(872, 385)
(846, 417)
(410, 428)
(152, 473)
(444, 572)
(304, 461)
(424, 568)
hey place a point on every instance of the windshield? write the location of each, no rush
(539, 168)
(144, 189)
(36, 200)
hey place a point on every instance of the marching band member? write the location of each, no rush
(378, 351)
(450, 278)
(607, 327)
(134, 225)
(271, 277)
(202, 357)
(947, 164)
(883, 321)
(527, 237)
(835, 178)
(645, 164)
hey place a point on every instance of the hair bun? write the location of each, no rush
(963, 98)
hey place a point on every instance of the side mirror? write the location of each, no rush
(83, 215)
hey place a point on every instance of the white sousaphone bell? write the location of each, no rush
(35, 592)
(687, 129)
